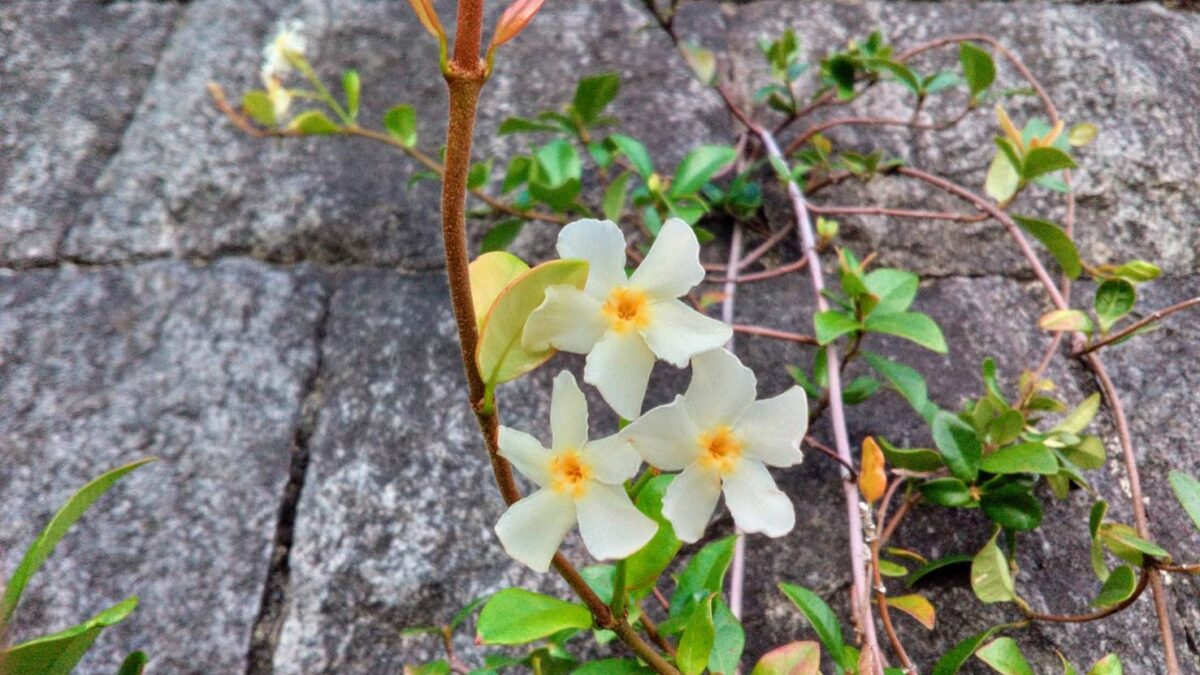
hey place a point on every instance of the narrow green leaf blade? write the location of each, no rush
(1055, 239)
(697, 641)
(1187, 491)
(822, 618)
(914, 326)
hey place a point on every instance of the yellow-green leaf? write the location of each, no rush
(500, 355)
(1082, 134)
(917, 607)
(1065, 320)
(490, 274)
(990, 577)
(796, 658)
(313, 123)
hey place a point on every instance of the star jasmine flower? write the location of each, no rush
(722, 440)
(288, 39)
(579, 481)
(624, 323)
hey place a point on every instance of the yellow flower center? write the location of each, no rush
(627, 309)
(720, 449)
(569, 474)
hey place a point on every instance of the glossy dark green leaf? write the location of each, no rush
(935, 565)
(697, 642)
(1040, 161)
(1114, 299)
(519, 125)
(959, 445)
(643, 568)
(593, 94)
(947, 491)
(832, 324)
(859, 390)
(134, 664)
(501, 235)
(911, 459)
(704, 574)
(478, 175)
(905, 380)
(1012, 507)
(1055, 239)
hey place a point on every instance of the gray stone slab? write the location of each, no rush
(204, 368)
(72, 74)
(1123, 68)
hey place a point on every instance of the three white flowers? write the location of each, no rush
(716, 434)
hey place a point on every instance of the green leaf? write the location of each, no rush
(352, 87)
(959, 445)
(313, 123)
(935, 565)
(515, 616)
(558, 162)
(1003, 178)
(953, 660)
(990, 577)
(832, 324)
(55, 530)
(490, 274)
(401, 123)
(614, 197)
(859, 390)
(1127, 545)
(704, 575)
(947, 491)
(593, 94)
(644, 567)
(257, 104)
(1080, 417)
(57, 654)
(613, 667)
(698, 166)
(1055, 239)
(890, 568)
(902, 73)
(1006, 428)
(913, 326)
(823, 620)
(134, 664)
(1187, 491)
(729, 640)
(501, 355)
(465, 613)
(501, 235)
(517, 174)
(697, 641)
(905, 380)
(895, 289)
(635, 152)
(1109, 665)
(1138, 271)
(1117, 588)
(978, 68)
(1039, 161)
(795, 658)
(1022, 458)
(702, 62)
(1065, 320)
(1004, 656)
(521, 125)
(1114, 299)
(912, 459)
(1012, 507)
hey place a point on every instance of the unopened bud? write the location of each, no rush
(428, 17)
(514, 19)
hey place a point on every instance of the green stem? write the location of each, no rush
(618, 598)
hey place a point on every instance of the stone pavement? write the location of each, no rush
(271, 319)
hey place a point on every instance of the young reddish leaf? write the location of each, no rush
(514, 19)
(428, 17)
(872, 479)
(917, 607)
(796, 658)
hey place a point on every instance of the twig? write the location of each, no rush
(772, 333)
(1147, 573)
(895, 213)
(652, 632)
(880, 594)
(768, 274)
(832, 454)
(1138, 325)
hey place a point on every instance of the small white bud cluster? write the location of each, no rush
(287, 43)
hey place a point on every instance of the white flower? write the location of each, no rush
(722, 440)
(287, 39)
(281, 97)
(578, 481)
(622, 323)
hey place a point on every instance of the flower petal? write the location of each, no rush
(613, 459)
(690, 501)
(611, 525)
(568, 319)
(677, 332)
(756, 503)
(527, 454)
(672, 267)
(568, 414)
(721, 388)
(665, 437)
(532, 529)
(601, 243)
(619, 366)
(771, 429)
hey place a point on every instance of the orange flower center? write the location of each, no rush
(626, 309)
(569, 474)
(720, 448)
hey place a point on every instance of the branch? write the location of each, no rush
(772, 333)
(1138, 325)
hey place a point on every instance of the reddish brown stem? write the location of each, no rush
(1132, 328)
(895, 213)
(772, 333)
